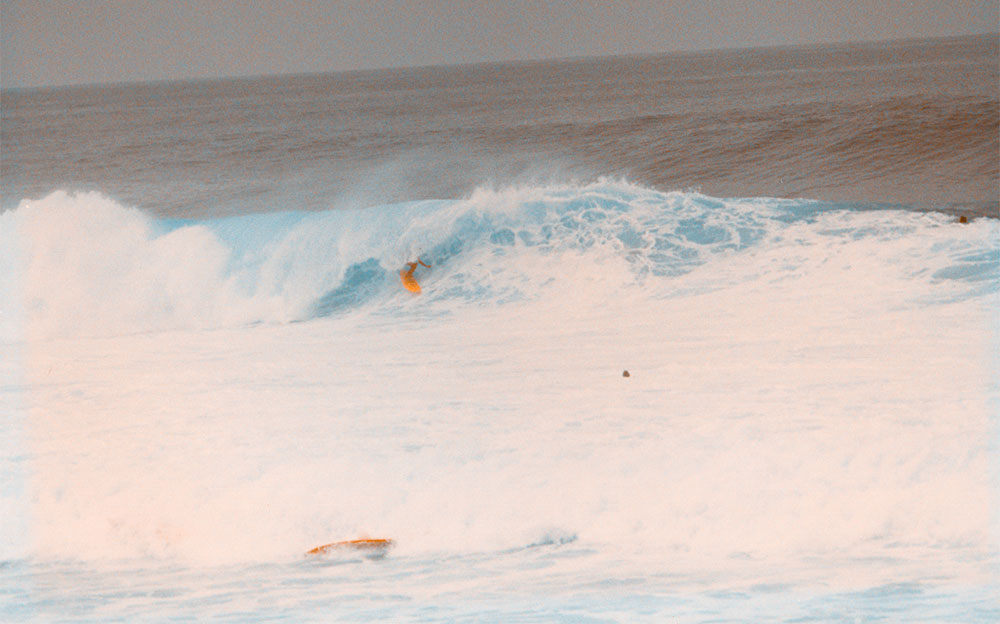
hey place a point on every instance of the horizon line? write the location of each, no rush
(458, 64)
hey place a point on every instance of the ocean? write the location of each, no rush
(705, 337)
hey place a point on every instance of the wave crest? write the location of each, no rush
(84, 265)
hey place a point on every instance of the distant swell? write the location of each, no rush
(910, 123)
(895, 135)
(848, 151)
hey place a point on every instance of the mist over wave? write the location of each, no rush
(84, 265)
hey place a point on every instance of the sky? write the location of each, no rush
(59, 42)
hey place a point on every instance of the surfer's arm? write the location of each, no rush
(423, 263)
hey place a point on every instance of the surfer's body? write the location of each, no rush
(413, 267)
(406, 275)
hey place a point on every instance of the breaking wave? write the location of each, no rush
(85, 265)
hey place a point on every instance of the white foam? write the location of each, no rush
(91, 267)
(799, 406)
(805, 413)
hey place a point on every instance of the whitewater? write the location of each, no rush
(808, 430)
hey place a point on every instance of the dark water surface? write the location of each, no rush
(910, 122)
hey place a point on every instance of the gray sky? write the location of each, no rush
(52, 42)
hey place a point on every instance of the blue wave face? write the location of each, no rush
(93, 266)
(491, 247)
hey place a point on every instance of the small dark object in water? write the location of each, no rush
(625, 374)
(963, 219)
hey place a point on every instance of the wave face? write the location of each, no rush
(84, 265)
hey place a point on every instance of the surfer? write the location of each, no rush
(413, 267)
(407, 275)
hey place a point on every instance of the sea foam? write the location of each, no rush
(810, 407)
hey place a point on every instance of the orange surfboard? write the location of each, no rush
(409, 283)
(373, 546)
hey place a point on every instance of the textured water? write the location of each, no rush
(208, 365)
(911, 123)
